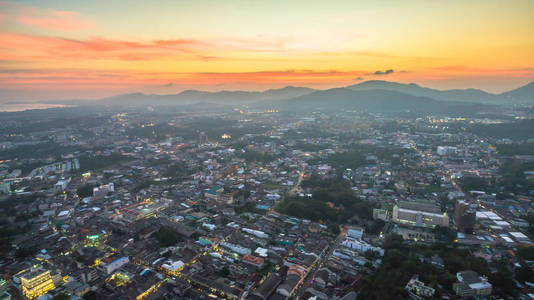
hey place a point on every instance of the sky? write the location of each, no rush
(92, 49)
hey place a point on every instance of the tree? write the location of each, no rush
(393, 241)
(61, 296)
(526, 252)
(224, 272)
(167, 237)
(25, 252)
(86, 190)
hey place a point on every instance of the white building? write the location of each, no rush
(446, 150)
(361, 246)
(355, 233)
(236, 248)
(257, 233)
(116, 264)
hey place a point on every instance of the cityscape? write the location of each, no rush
(370, 183)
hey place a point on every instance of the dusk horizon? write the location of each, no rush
(66, 50)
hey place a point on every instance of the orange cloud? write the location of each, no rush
(21, 46)
(44, 18)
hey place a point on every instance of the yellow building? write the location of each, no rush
(36, 283)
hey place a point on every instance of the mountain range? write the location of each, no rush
(374, 95)
(222, 97)
(524, 94)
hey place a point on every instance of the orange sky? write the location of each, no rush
(87, 49)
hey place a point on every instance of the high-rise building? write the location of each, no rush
(202, 138)
(36, 283)
(465, 216)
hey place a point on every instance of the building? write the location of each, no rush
(214, 193)
(465, 216)
(380, 214)
(173, 268)
(471, 284)
(446, 150)
(36, 283)
(253, 260)
(236, 248)
(103, 190)
(116, 264)
(355, 232)
(420, 214)
(268, 286)
(295, 275)
(61, 185)
(417, 289)
(361, 246)
(257, 233)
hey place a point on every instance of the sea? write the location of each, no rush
(13, 107)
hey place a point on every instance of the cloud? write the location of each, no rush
(44, 18)
(386, 72)
(61, 77)
(35, 48)
(358, 78)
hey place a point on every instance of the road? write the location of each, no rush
(297, 188)
(318, 265)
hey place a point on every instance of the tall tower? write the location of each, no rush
(202, 138)
(464, 216)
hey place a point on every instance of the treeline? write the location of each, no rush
(254, 156)
(177, 170)
(401, 261)
(516, 149)
(332, 202)
(167, 237)
(42, 150)
(520, 130)
(513, 178)
(356, 156)
(97, 162)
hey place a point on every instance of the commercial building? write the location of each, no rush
(36, 283)
(417, 289)
(355, 232)
(361, 246)
(471, 284)
(101, 191)
(116, 264)
(173, 267)
(446, 150)
(465, 216)
(420, 214)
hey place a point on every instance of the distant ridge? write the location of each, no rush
(458, 95)
(372, 100)
(222, 97)
(524, 94)
(521, 95)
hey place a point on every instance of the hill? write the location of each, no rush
(457, 95)
(524, 94)
(383, 101)
(222, 97)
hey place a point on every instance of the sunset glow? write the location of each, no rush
(91, 49)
